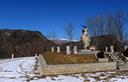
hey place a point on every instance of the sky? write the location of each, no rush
(49, 16)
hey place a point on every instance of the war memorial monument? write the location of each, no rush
(81, 61)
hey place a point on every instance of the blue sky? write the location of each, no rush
(54, 15)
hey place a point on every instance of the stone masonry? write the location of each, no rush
(73, 68)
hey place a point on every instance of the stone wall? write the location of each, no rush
(42, 61)
(74, 68)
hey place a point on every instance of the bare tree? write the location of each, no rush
(52, 35)
(125, 34)
(69, 31)
(115, 24)
(120, 21)
(96, 24)
(99, 20)
(110, 25)
(91, 26)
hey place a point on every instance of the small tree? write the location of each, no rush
(69, 31)
(51, 35)
(116, 23)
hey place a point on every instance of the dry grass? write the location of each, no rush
(60, 58)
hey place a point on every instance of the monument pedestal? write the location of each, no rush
(86, 43)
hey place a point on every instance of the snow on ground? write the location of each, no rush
(16, 70)
(21, 69)
(59, 79)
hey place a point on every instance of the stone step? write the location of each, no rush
(118, 58)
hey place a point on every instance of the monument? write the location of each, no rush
(85, 38)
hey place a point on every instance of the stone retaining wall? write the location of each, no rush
(42, 61)
(74, 68)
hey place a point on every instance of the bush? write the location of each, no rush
(126, 52)
(100, 55)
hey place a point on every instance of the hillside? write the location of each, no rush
(22, 43)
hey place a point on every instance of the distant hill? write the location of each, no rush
(22, 43)
(59, 41)
(62, 41)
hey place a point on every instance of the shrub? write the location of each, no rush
(100, 55)
(126, 52)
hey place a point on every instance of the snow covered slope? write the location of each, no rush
(23, 69)
(16, 70)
